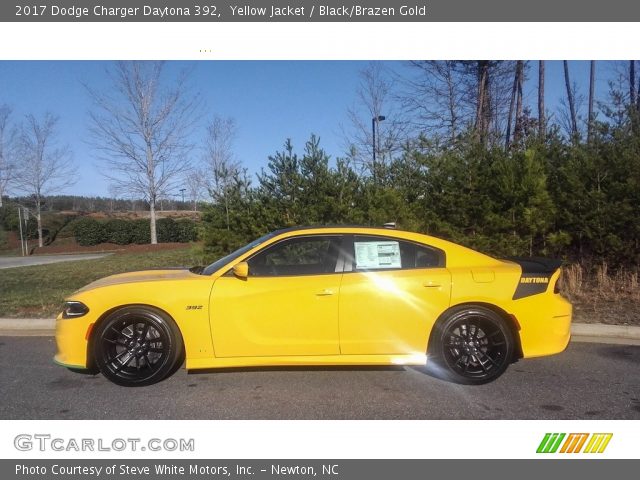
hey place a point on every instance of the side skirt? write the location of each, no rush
(202, 363)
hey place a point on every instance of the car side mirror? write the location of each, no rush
(241, 270)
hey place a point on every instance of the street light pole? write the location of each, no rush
(374, 122)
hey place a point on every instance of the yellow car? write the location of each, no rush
(320, 296)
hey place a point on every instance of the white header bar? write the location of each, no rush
(318, 41)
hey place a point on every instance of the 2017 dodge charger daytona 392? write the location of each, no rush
(320, 296)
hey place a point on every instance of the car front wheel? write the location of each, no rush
(473, 345)
(137, 346)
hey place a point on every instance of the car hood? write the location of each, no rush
(138, 277)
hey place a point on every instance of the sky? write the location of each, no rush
(270, 101)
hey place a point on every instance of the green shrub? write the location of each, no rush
(166, 230)
(3, 239)
(187, 230)
(119, 231)
(89, 231)
(220, 241)
(9, 217)
(181, 231)
(140, 231)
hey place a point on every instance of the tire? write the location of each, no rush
(137, 346)
(472, 345)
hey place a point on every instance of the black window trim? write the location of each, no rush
(350, 266)
(340, 262)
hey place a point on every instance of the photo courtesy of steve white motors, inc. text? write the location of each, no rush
(206, 468)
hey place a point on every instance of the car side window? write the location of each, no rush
(311, 255)
(382, 253)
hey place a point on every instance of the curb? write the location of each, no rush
(601, 333)
(22, 327)
(580, 332)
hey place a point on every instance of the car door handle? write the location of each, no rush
(325, 293)
(431, 284)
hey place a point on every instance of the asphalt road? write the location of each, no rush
(588, 381)
(13, 262)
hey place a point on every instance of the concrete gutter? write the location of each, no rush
(580, 332)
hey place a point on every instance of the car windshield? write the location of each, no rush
(218, 264)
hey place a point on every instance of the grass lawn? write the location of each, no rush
(38, 291)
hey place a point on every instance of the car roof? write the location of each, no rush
(334, 227)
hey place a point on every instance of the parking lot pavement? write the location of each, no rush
(13, 262)
(588, 381)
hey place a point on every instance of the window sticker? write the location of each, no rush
(377, 254)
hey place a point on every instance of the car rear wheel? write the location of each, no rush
(137, 346)
(473, 345)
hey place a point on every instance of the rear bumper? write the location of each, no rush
(545, 324)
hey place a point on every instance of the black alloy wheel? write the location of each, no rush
(137, 346)
(473, 345)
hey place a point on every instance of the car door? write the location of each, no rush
(287, 305)
(391, 296)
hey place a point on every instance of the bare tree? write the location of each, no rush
(489, 86)
(435, 97)
(44, 167)
(141, 127)
(7, 150)
(542, 118)
(571, 100)
(221, 166)
(448, 98)
(374, 101)
(114, 193)
(195, 185)
(592, 82)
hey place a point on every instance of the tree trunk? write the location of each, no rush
(226, 211)
(507, 137)
(632, 84)
(572, 106)
(592, 82)
(519, 81)
(481, 111)
(542, 120)
(152, 217)
(452, 104)
(39, 220)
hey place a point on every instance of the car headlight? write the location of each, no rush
(74, 309)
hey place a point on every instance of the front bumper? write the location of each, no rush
(71, 341)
